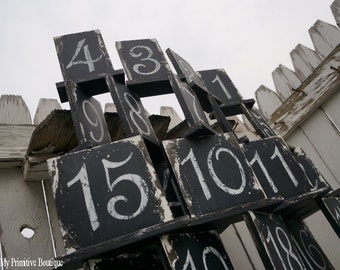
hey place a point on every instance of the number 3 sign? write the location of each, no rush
(106, 192)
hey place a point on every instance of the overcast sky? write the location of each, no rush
(248, 38)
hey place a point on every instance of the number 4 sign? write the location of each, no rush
(106, 192)
(83, 56)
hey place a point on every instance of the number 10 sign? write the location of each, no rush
(106, 192)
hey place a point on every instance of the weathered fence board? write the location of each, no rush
(13, 110)
(267, 100)
(325, 37)
(335, 7)
(45, 107)
(304, 60)
(332, 110)
(285, 81)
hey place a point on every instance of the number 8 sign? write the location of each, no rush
(106, 192)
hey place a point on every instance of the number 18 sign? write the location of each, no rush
(106, 192)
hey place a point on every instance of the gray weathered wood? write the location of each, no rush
(45, 107)
(169, 111)
(325, 37)
(304, 60)
(285, 80)
(308, 97)
(267, 100)
(335, 7)
(110, 108)
(13, 110)
(22, 205)
(13, 144)
(332, 110)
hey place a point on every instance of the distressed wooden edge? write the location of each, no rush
(13, 110)
(335, 7)
(44, 108)
(267, 100)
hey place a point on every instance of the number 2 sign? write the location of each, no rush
(106, 192)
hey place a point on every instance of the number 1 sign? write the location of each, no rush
(106, 192)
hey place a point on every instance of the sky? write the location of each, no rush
(248, 38)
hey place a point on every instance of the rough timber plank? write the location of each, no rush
(267, 100)
(169, 111)
(13, 110)
(332, 109)
(309, 96)
(325, 37)
(304, 60)
(335, 7)
(45, 107)
(285, 80)
(13, 144)
(22, 205)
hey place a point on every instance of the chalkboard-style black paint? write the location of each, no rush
(220, 86)
(310, 251)
(273, 241)
(88, 118)
(199, 250)
(130, 109)
(314, 178)
(145, 66)
(213, 173)
(276, 168)
(191, 107)
(331, 209)
(106, 192)
(192, 78)
(258, 121)
(83, 56)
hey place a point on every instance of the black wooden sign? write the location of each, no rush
(273, 241)
(193, 78)
(130, 110)
(310, 251)
(83, 56)
(191, 108)
(331, 209)
(258, 122)
(106, 192)
(88, 118)
(199, 250)
(276, 168)
(213, 173)
(220, 86)
(145, 66)
(314, 178)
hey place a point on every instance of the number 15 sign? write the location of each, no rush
(106, 192)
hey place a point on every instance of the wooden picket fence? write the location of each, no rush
(303, 110)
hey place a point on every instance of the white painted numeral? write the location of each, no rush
(86, 105)
(217, 180)
(187, 68)
(193, 100)
(132, 103)
(289, 252)
(265, 172)
(209, 249)
(85, 185)
(218, 80)
(88, 58)
(137, 67)
(285, 165)
(133, 178)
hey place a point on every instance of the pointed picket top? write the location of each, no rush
(285, 80)
(45, 107)
(267, 100)
(304, 60)
(110, 108)
(13, 110)
(335, 7)
(174, 117)
(325, 37)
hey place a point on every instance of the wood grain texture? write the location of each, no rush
(267, 100)
(45, 107)
(335, 7)
(13, 110)
(26, 210)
